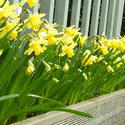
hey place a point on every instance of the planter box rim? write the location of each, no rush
(52, 116)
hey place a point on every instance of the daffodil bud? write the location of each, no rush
(1, 51)
(118, 65)
(66, 68)
(30, 68)
(87, 52)
(100, 58)
(56, 66)
(84, 76)
(47, 66)
(55, 80)
(79, 70)
(117, 60)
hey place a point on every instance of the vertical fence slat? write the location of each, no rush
(118, 17)
(13, 1)
(95, 17)
(47, 7)
(110, 18)
(75, 13)
(86, 16)
(61, 12)
(35, 8)
(103, 19)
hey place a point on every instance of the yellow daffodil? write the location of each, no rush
(51, 40)
(66, 68)
(67, 40)
(34, 21)
(13, 35)
(102, 38)
(104, 50)
(68, 50)
(71, 31)
(9, 11)
(83, 39)
(51, 33)
(30, 68)
(89, 61)
(110, 69)
(36, 47)
(31, 3)
(8, 27)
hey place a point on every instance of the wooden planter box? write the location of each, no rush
(108, 109)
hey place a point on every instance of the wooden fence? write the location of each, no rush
(93, 16)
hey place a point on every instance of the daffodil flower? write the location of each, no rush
(36, 47)
(104, 50)
(68, 50)
(83, 39)
(33, 21)
(8, 27)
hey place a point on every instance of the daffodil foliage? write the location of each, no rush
(44, 67)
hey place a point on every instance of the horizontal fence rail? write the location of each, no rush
(94, 17)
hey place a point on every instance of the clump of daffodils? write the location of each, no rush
(68, 43)
(52, 61)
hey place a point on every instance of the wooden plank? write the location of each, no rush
(95, 17)
(118, 17)
(110, 18)
(103, 19)
(47, 7)
(61, 12)
(35, 8)
(75, 13)
(86, 16)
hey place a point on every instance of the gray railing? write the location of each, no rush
(93, 16)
